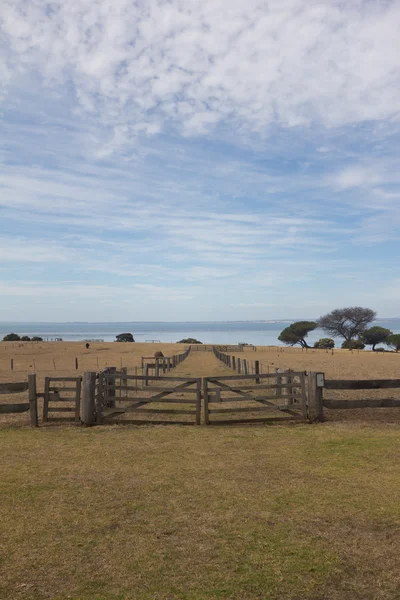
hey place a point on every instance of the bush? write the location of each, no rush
(25, 338)
(353, 345)
(189, 341)
(325, 343)
(37, 338)
(125, 337)
(11, 337)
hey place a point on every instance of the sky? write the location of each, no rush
(170, 160)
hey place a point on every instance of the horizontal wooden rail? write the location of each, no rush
(362, 403)
(361, 384)
(14, 387)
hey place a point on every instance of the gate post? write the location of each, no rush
(257, 370)
(315, 396)
(205, 395)
(33, 412)
(88, 404)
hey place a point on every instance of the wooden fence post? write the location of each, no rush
(146, 373)
(205, 403)
(33, 412)
(124, 381)
(244, 366)
(315, 397)
(76, 364)
(234, 363)
(78, 399)
(257, 370)
(238, 366)
(111, 393)
(88, 404)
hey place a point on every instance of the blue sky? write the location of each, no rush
(198, 160)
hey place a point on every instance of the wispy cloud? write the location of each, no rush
(211, 158)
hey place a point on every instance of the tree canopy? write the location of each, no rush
(125, 337)
(347, 322)
(375, 335)
(189, 341)
(11, 337)
(325, 343)
(393, 340)
(296, 333)
(353, 345)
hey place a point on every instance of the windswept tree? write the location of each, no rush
(296, 333)
(348, 323)
(393, 340)
(375, 335)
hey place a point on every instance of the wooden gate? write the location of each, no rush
(62, 395)
(281, 396)
(121, 396)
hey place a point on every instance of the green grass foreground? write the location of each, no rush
(159, 513)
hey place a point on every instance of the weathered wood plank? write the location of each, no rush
(361, 384)
(149, 399)
(64, 378)
(119, 375)
(14, 408)
(151, 388)
(146, 422)
(157, 411)
(59, 388)
(245, 409)
(14, 387)
(249, 399)
(362, 403)
(61, 409)
(265, 420)
(246, 377)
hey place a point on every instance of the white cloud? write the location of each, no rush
(140, 66)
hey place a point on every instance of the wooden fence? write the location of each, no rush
(161, 364)
(17, 387)
(317, 400)
(118, 398)
(266, 394)
(62, 395)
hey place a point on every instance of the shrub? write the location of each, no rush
(325, 343)
(37, 338)
(353, 345)
(189, 341)
(25, 338)
(11, 337)
(125, 337)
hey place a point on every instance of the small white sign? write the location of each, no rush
(320, 380)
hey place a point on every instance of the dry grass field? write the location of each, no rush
(300, 512)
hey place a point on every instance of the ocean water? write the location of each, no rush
(259, 333)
